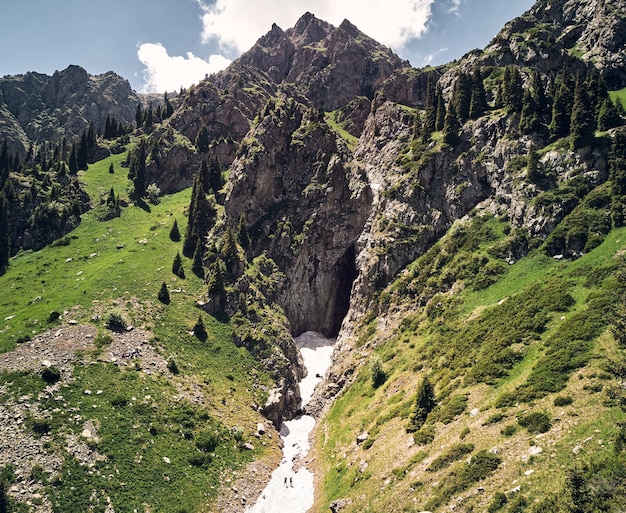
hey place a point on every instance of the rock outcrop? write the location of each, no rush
(35, 107)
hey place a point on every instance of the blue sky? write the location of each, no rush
(166, 44)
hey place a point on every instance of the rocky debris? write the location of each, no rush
(339, 504)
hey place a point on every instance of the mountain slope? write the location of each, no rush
(459, 229)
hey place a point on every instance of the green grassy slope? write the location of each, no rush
(527, 378)
(166, 440)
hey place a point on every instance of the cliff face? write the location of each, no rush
(37, 107)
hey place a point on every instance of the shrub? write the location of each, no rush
(53, 317)
(424, 435)
(424, 403)
(51, 374)
(536, 422)
(455, 453)
(200, 460)
(207, 441)
(115, 322)
(493, 419)
(172, 366)
(378, 374)
(119, 401)
(102, 339)
(509, 430)
(563, 400)
(498, 502)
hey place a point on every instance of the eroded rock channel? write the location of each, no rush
(291, 487)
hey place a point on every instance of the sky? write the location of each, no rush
(163, 45)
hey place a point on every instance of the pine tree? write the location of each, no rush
(560, 123)
(424, 403)
(608, 115)
(582, 123)
(478, 101)
(174, 232)
(204, 176)
(533, 169)
(199, 330)
(169, 110)
(512, 90)
(111, 168)
(82, 152)
(243, 237)
(429, 119)
(441, 110)
(4, 233)
(197, 266)
(137, 170)
(177, 266)
(216, 182)
(202, 140)
(139, 116)
(461, 96)
(72, 161)
(202, 215)
(451, 127)
(229, 253)
(164, 295)
(529, 119)
(217, 273)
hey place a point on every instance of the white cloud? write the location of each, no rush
(454, 8)
(168, 73)
(237, 24)
(431, 56)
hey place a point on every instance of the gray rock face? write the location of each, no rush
(35, 107)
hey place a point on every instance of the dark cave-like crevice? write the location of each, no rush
(346, 274)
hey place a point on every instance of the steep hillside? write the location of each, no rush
(38, 108)
(459, 229)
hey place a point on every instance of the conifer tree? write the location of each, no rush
(204, 176)
(4, 233)
(529, 119)
(139, 116)
(429, 119)
(451, 127)
(174, 232)
(512, 90)
(217, 273)
(441, 110)
(243, 236)
(533, 170)
(561, 105)
(137, 170)
(216, 182)
(608, 115)
(582, 123)
(199, 330)
(201, 218)
(73, 162)
(177, 266)
(164, 295)
(82, 151)
(229, 253)
(197, 265)
(424, 403)
(461, 96)
(478, 101)
(202, 140)
(169, 110)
